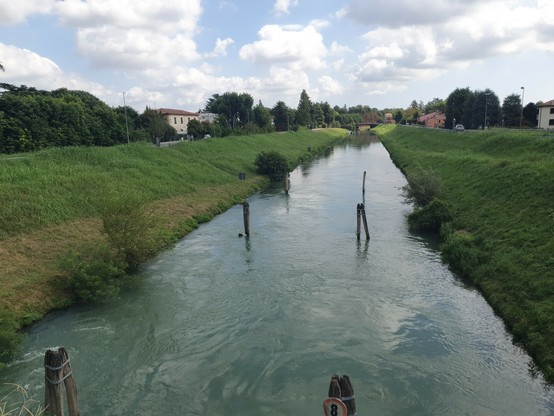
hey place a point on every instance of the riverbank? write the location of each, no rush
(53, 201)
(499, 187)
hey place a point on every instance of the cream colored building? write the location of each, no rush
(546, 115)
(178, 119)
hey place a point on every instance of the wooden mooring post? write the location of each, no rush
(340, 400)
(364, 219)
(58, 374)
(246, 216)
(287, 183)
(363, 183)
(361, 217)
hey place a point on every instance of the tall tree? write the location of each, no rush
(282, 116)
(304, 110)
(237, 108)
(511, 110)
(456, 106)
(530, 113)
(262, 117)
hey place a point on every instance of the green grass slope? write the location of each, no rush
(500, 185)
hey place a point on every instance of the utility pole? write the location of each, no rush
(521, 114)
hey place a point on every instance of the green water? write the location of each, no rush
(222, 325)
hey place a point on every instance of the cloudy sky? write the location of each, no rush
(178, 53)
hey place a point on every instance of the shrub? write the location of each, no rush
(273, 164)
(462, 253)
(430, 217)
(422, 187)
(10, 338)
(129, 227)
(96, 275)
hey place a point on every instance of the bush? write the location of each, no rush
(462, 253)
(96, 275)
(273, 164)
(430, 217)
(129, 229)
(422, 187)
(10, 338)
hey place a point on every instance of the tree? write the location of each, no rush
(304, 110)
(484, 104)
(530, 113)
(456, 106)
(317, 115)
(282, 116)
(154, 123)
(435, 105)
(2, 68)
(511, 110)
(237, 108)
(262, 117)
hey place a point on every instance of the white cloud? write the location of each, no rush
(131, 33)
(282, 6)
(297, 49)
(220, 48)
(330, 86)
(12, 12)
(26, 66)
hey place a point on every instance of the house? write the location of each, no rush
(434, 119)
(389, 119)
(546, 115)
(207, 117)
(178, 119)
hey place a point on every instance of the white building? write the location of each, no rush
(546, 115)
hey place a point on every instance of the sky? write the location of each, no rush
(380, 53)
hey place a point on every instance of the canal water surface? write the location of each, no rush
(227, 325)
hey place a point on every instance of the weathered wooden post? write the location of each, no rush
(246, 216)
(287, 183)
(358, 221)
(363, 183)
(57, 370)
(340, 401)
(362, 211)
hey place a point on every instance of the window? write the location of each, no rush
(174, 120)
(551, 122)
(552, 110)
(181, 120)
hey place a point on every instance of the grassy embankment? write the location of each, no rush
(53, 200)
(500, 187)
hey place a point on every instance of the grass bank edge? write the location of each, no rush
(499, 238)
(38, 287)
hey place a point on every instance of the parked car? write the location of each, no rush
(459, 127)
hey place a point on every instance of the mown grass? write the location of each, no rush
(53, 202)
(499, 185)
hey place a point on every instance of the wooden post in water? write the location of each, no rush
(362, 211)
(287, 183)
(358, 221)
(57, 370)
(246, 216)
(363, 183)
(340, 401)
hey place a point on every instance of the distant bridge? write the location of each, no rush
(370, 125)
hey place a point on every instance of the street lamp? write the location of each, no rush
(521, 114)
(486, 103)
(126, 125)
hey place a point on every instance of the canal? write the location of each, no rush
(227, 325)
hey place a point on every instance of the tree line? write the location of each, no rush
(32, 119)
